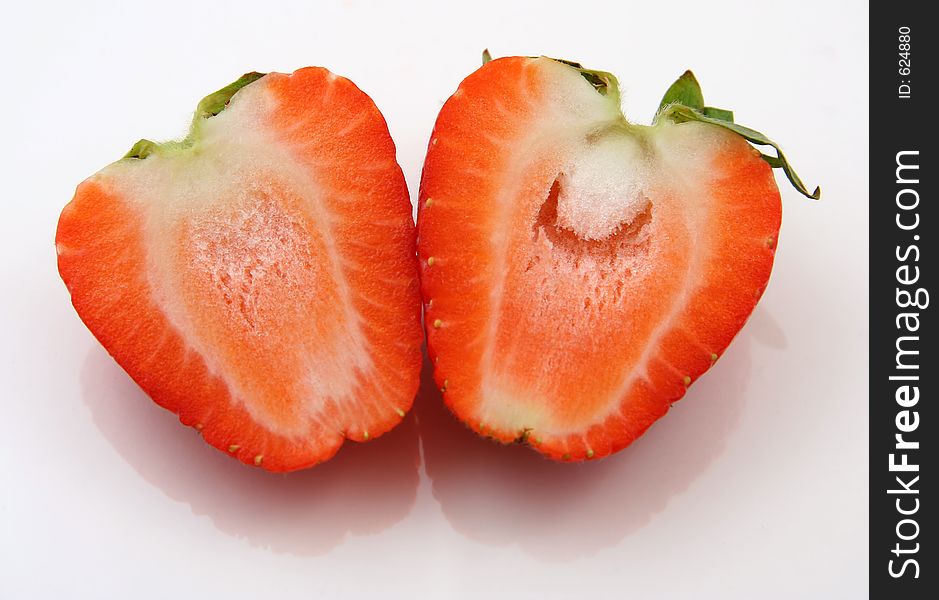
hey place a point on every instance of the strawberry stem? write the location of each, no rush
(216, 102)
(684, 101)
(207, 108)
(142, 149)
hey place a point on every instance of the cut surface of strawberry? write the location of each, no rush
(258, 278)
(578, 271)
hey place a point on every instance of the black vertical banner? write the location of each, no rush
(904, 369)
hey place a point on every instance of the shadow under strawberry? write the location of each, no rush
(502, 495)
(363, 490)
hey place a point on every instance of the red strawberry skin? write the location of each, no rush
(259, 279)
(560, 312)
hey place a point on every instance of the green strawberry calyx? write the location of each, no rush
(207, 108)
(605, 83)
(683, 102)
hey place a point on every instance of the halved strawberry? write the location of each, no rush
(258, 278)
(579, 272)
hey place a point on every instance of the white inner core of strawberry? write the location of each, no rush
(604, 188)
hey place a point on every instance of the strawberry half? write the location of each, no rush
(579, 272)
(259, 277)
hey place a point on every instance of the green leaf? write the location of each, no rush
(486, 56)
(208, 107)
(719, 113)
(142, 149)
(684, 91)
(604, 82)
(216, 102)
(569, 63)
(684, 102)
(680, 114)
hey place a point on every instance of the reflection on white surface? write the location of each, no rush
(363, 490)
(491, 493)
(501, 495)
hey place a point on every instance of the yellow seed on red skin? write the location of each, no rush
(428, 203)
(233, 448)
(437, 323)
(257, 460)
(399, 411)
(430, 261)
(687, 380)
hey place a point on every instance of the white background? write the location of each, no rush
(754, 486)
